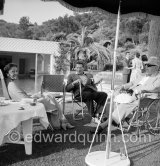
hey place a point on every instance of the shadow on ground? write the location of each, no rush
(69, 148)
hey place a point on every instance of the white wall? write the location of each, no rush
(30, 61)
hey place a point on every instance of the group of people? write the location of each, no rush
(149, 82)
(133, 69)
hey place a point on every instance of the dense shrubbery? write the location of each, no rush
(109, 67)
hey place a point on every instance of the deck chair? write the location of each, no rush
(56, 85)
(4, 88)
(89, 105)
(80, 103)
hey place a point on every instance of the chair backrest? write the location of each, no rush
(4, 87)
(53, 83)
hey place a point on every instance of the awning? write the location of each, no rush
(28, 46)
(128, 7)
(1, 6)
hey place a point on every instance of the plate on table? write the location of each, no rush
(124, 98)
(4, 103)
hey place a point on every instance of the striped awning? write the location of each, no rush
(28, 46)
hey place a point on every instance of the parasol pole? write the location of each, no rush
(108, 144)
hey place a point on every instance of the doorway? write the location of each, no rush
(22, 63)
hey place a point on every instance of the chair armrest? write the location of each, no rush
(144, 94)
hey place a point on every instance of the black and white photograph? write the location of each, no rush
(79, 83)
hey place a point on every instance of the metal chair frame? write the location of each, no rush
(54, 84)
(82, 105)
(147, 117)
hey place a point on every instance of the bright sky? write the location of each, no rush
(37, 10)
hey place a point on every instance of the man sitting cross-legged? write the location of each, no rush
(150, 84)
(88, 89)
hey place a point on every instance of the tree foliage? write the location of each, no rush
(75, 29)
(101, 27)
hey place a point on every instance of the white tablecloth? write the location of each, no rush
(11, 116)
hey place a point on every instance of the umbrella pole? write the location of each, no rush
(36, 75)
(108, 144)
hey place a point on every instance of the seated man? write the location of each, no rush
(88, 86)
(149, 83)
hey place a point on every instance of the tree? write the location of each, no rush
(154, 38)
(7, 29)
(133, 27)
(62, 62)
(84, 42)
(24, 28)
(62, 24)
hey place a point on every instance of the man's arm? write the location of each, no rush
(125, 86)
(69, 86)
(71, 83)
(152, 87)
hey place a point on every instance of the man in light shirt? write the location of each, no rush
(149, 84)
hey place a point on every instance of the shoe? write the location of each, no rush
(69, 126)
(127, 120)
(66, 125)
(95, 120)
(99, 131)
(104, 119)
(115, 124)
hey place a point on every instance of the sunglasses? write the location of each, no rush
(149, 65)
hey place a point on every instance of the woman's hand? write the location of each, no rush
(37, 95)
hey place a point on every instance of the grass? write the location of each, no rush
(69, 148)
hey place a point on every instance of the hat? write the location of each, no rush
(153, 61)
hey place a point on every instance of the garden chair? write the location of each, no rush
(56, 85)
(80, 103)
(88, 105)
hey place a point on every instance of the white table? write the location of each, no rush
(11, 116)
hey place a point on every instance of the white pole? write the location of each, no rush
(108, 145)
(51, 64)
(36, 75)
(42, 63)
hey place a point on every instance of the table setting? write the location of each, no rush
(13, 113)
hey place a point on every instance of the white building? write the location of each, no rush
(24, 53)
(29, 55)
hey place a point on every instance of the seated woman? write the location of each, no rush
(55, 115)
(149, 84)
